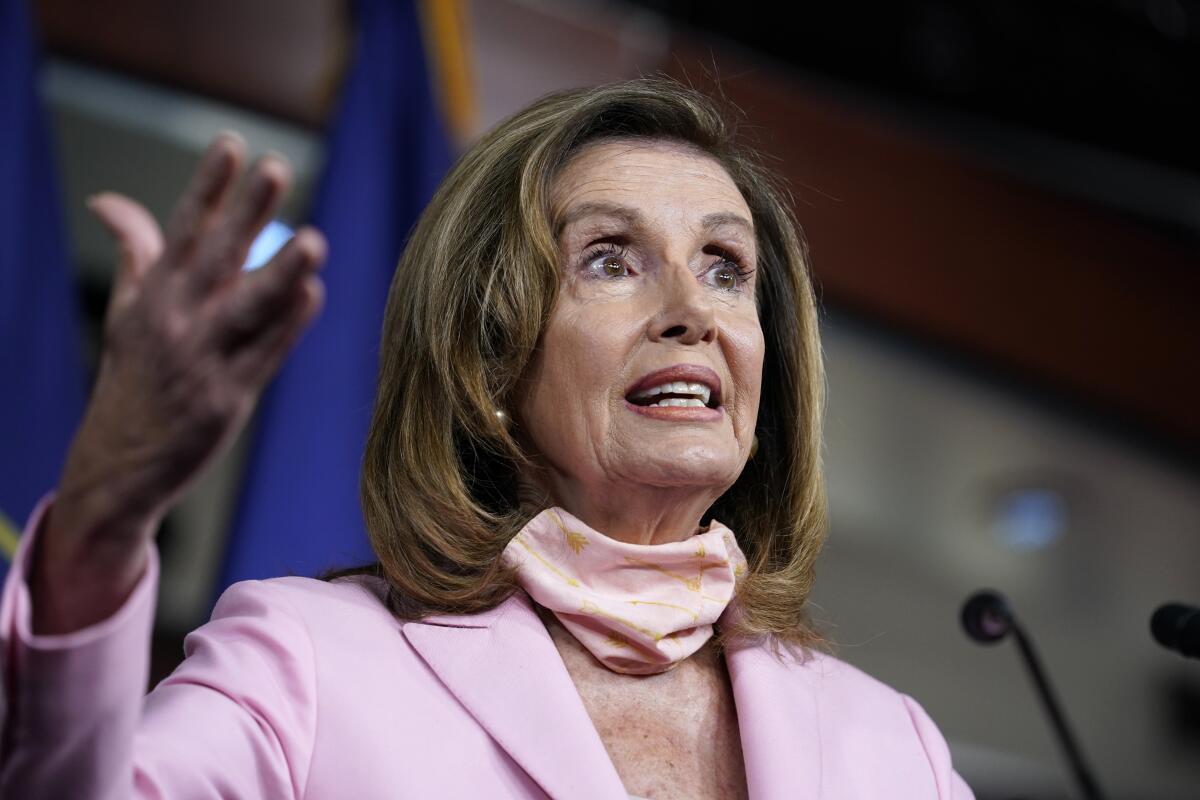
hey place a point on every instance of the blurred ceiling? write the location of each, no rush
(1117, 74)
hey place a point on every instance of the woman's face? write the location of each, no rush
(648, 373)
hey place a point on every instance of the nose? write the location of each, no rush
(686, 314)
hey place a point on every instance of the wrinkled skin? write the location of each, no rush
(657, 258)
(189, 343)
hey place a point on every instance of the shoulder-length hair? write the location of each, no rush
(467, 305)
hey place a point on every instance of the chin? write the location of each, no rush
(691, 466)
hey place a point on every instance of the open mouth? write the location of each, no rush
(676, 394)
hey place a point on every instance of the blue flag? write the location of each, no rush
(299, 511)
(40, 354)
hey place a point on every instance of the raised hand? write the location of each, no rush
(190, 340)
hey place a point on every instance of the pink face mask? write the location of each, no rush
(639, 609)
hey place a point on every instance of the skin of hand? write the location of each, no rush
(190, 341)
(657, 257)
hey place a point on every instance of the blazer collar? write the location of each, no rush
(503, 667)
(778, 722)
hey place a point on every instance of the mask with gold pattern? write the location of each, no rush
(639, 609)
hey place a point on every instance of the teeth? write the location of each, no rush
(679, 387)
(678, 402)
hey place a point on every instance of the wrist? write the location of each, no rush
(77, 581)
(101, 498)
(100, 517)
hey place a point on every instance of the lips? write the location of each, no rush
(682, 373)
(681, 392)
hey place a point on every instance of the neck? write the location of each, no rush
(652, 515)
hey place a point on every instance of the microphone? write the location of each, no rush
(988, 618)
(1177, 627)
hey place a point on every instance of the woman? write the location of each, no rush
(592, 481)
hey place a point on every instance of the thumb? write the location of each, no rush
(137, 235)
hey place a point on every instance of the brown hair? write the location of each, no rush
(467, 305)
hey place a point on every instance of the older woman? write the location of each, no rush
(592, 482)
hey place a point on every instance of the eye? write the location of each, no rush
(613, 266)
(608, 261)
(728, 275)
(725, 277)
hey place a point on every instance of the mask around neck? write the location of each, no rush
(639, 609)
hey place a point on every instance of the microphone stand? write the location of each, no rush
(1083, 776)
(987, 618)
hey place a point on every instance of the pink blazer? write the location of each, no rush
(302, 689)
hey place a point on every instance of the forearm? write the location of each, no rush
(78, 723)
(73, 700)
(87, 559)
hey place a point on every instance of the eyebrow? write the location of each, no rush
(634, 219)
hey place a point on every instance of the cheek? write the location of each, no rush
(578, 370)
(588, 346)
(746, 350)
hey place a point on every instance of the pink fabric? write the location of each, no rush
(304, 689)
(639, 609)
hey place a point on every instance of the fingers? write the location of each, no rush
(138, 238)
(259, 361)
(267, 294)
(223, 254)
(265, 188)
(207, 193)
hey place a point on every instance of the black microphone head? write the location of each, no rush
(986, 617)
(1177, 627)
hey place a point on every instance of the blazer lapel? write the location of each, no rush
(503, 667)
(778, 723)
